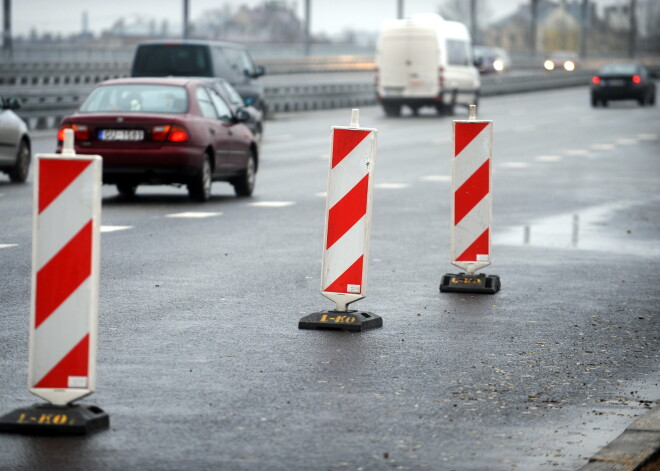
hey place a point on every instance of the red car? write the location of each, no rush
(165, 131)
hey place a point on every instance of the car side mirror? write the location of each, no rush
(12, 103)
(478, 61)
(242, 115)
(259, 71)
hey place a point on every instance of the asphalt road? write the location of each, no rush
(201, 364)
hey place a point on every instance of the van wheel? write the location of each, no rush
(392, 110)
(127, 190)
(445, 109)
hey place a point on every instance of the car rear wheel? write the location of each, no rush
(19, 173)
(126, 189)
(199, 187)
(244, 185)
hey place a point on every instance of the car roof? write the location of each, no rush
(189, 42)
(178, 81)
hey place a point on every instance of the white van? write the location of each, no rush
(425, 61)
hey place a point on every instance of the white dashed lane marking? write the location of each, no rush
(391, 186)
(514, 165)
(602, 146)
(272, 204)
(641, 137)
(526, 128)
(441, 140)
(191, 214)
(436, 178)
(7, 246)
(321, 194)
(627, 141)
(115, 228)
(577, 152)
(548, 158)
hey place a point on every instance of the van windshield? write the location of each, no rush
(160, 60)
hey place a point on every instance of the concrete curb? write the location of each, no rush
(636, 449)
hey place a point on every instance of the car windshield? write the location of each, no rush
(232, 95)
(137, 98)
(624, 69)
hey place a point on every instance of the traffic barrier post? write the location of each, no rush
(65, 284)
(347, 229)
(471, 207)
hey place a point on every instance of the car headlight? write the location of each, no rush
(498, 65)
(549, 65)
(569, 66)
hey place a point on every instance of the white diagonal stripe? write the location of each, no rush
(65, 216)
(343, 253)
(472, 156)
(350, 171)
(471, 226)
(61, 331)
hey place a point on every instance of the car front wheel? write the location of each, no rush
(244, 185)
(19, 173)
(199, 187)
(126, 189)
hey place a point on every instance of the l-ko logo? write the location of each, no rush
(338, 319)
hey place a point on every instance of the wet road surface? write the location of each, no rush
(202, 366)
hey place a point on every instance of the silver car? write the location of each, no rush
(14, 142)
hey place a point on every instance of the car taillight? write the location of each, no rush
(178, 134)
(637, 79)
(80, 132)
(441, 77)
(595, 80)
(159, 133)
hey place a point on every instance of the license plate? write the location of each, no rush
(121, 135)
(393, 90)
(615, 83)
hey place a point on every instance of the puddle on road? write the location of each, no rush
(581, 230)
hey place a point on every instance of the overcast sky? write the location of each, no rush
(330, 16)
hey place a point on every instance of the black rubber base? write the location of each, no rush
(462, 283)
(47, 419)
(337, 320)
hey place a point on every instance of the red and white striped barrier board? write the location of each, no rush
(471, 194)
(348, 218)
(471, 209)
(65, 277)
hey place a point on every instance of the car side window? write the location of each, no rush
(205, 103)
(221, 107)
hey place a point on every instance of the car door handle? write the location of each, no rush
(212, 131)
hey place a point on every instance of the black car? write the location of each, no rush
(622, 82)
(191, 58)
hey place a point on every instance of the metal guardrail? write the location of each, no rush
(50, 91)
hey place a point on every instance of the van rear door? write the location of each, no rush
(409, 64)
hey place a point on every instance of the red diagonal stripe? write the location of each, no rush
(464, 133)
(74, 363)
(471, 192)
(348, 210)
(478, 247)
(55, 175)
(352, 276)
(63, 274)
(344, 141)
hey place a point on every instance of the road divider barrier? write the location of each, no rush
(471, 207)
(65, 285)
(347, 229)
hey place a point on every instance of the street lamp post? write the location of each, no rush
(6, 34)
(186, 31)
